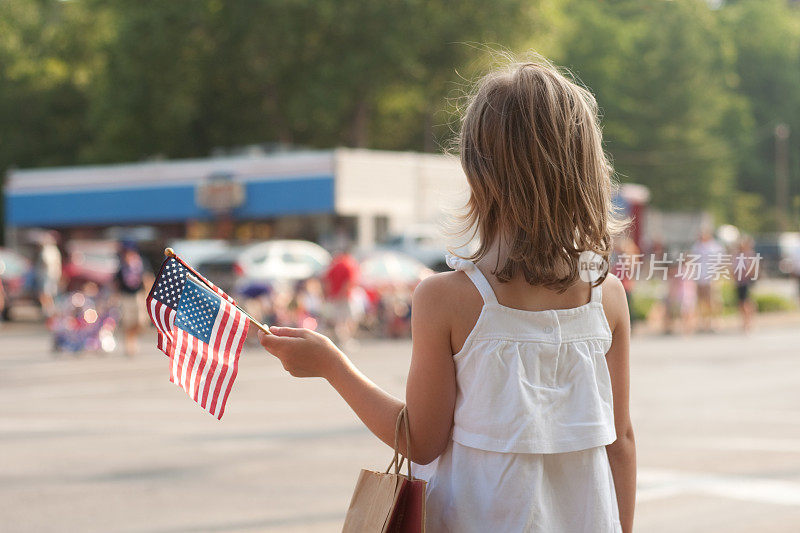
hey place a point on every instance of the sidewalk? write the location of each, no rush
(727, 324)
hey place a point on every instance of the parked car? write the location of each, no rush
(388, 280)
(199, 251)
(426, 243)
(90, 261)
(386, 269)
(213, 258)
(17, 280)
(790, 253)
(281, 261)
(220, 268)
(778, 253)
(423, 242)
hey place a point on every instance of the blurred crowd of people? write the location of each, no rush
(96, 312)
(83, 312)
(692, 281)
(335, 302)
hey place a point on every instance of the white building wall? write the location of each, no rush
(409, 188)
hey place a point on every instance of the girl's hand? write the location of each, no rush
(303, 353)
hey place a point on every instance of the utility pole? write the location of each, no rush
(782, 132)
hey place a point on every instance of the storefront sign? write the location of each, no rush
(220, 193)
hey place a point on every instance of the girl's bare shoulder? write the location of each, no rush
(448, 303)
(446, 289)
(615, 304)
(449, 298)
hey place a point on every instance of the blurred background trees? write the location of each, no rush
(696, 95)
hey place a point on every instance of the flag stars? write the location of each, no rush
(170, 283)
(197, 312)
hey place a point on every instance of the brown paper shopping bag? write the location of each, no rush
(388, 502)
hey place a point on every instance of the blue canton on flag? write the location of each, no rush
(197, 311)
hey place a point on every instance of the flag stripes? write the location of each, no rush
(208, 380)
(192, 375)
(229, 368)
(231, 376)
(163, 318)
(202, 389)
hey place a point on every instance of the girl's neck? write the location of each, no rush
(498, 253)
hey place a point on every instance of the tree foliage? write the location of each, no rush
(662, 72)
(690, 94)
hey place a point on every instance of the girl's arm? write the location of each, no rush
(431, 386)
(622, 452)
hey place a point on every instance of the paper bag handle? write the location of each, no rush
(397, 461)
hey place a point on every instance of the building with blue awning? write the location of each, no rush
(302, 192)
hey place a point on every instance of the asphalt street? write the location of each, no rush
(108, 444)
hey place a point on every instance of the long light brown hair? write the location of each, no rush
(531, 147)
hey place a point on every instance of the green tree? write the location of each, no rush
(690, 95)
(664, 78)
(317, 73)
(47, 58)
(767, 37)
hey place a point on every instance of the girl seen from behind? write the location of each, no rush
(517, 395)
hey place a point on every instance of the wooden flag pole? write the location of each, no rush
(169, 252)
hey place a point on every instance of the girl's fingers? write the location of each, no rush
(270, 341)
(281, 339)
(287, 332)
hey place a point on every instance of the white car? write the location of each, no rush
(282, 261)
(427, 244)
(198, 251)
(384, 268)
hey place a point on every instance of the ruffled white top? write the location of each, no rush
(534, 411)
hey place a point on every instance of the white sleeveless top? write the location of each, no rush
(533, 381)
(533, 414)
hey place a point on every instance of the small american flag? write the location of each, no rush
(201, 330)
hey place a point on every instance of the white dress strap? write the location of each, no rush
(597, 294)
(474, 273)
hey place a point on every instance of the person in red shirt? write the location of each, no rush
(339, 280)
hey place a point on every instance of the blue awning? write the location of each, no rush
(162, 204)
